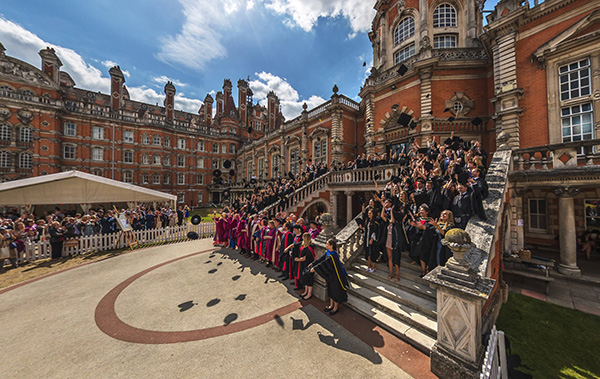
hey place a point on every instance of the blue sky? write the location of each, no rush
(298, 48)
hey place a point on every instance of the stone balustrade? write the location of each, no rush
(557, 156)
(26, 97)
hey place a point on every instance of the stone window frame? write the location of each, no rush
(156, 140)
(445, 35)
(181, 143)
(5, 159)
(558, 59)
(6, 131)
(180, 160)
(26, 160)
(64, 151)
(467, 104)
(128, 176)
(406, 26)
(446, 5)
(145, 178)
(126, 139)
(98, 133)
(295, 165)
(275, 163)
(145, 159)
(200, 179)
(180, 179)
(538, 214)
(200, 146)
(394, 48)
(410, 49)
(97, 172)
(66, 127)
(200, 162)
(460, 30)
(167, 178)
(156, 160)
(126, 154)
(167, 160)
(156, 179)
(26, 130)
(167, 142)
(94, 150)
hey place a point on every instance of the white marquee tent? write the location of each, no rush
(76, 187)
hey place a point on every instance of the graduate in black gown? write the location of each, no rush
(424, 245)
(295, 253)
(287, 238)
(332, 270)
(307, 256)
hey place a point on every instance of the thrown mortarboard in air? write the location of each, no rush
(431, 113)
(232, 172)
(476, 121)
(413, 125)
(253, 181)
(463, 177)
(217, 173)
(395, 179)
(428, 166)
(450, 118)
(249, 130)
(227, 164)
(402, 70)
(446, 109)
(423, 150)
(404, 119)
(364, 64)
(291, 175)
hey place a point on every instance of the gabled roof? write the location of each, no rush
(75, 187)
(573, 32)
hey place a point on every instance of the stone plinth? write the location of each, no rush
(461, 293)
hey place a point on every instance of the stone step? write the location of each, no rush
(408, 282)
(405, 266)
(402, 312)
(404, 331)
(422, 304)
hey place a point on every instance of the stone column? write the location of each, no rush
(461, 293)
(349, 195)
(567, 233)
(333, 199)
(369, 124)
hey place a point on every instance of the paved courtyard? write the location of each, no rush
(187, 310)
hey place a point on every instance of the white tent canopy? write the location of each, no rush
(75, 187)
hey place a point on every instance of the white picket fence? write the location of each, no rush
(494, 363)
(103, 242)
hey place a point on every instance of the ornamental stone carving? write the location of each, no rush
(4, 113)
(566, 191)
(460, 104)
(19, 70)
(25, 116)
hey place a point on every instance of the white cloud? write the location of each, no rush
(291, 104)
(250, 4)
(199, 40)
(110, 64)
(306, 13)
(163, 79)
(24, 45)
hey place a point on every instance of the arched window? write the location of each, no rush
(25, 160)
(145, 139)
(145, 178)
(4, 159)
(25, 135)
(404, 30)
(6, 89)
(156, 160)
(156, 179)
(444, 15)
(145, 159)
(5, 132)
(27, 94)
(167, 179)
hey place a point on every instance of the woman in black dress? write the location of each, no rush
(307, 256)
(424, 246)
(332, 270)
(56, 239)
(372, 240)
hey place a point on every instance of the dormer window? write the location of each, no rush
(404, 30)
(444, 16)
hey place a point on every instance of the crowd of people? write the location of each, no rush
(56, 227)
(441, 187)
(284, 242)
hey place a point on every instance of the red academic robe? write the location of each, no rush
(242, 234)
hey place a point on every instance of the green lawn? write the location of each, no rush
(205, 213)
(554, 342)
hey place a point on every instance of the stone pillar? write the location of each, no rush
(320, 286)
(461, 294)
(349, 195)
(567, 233)
(333, 199)
(369, 124)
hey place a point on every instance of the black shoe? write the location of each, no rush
(282, 276)
(327, 309)
(268, 264)
(334, 312)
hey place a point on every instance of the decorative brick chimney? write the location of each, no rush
(242, 99)
(50, 64)
(170, 101)
(220, 104)
(272, 109)
(208, 107)
(117, 80)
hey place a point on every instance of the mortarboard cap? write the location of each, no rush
(402, 70)
(450, 118)
(227, 164)
(217, 173)
(404, 119)
(476, 121)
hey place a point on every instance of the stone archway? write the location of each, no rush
(310, 210)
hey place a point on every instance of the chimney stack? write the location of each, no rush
(50, 64)
(208, 105)
(242, 99)
(273, 109)
(170, 101)
(220, 104)
(117, 79)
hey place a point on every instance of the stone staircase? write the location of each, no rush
(406, 308)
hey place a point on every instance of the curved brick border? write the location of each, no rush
(109, 323)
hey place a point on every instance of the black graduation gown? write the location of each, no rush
(424, 244)
(295, 254)
(330, 268)
(284, 258)
(307, 278)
